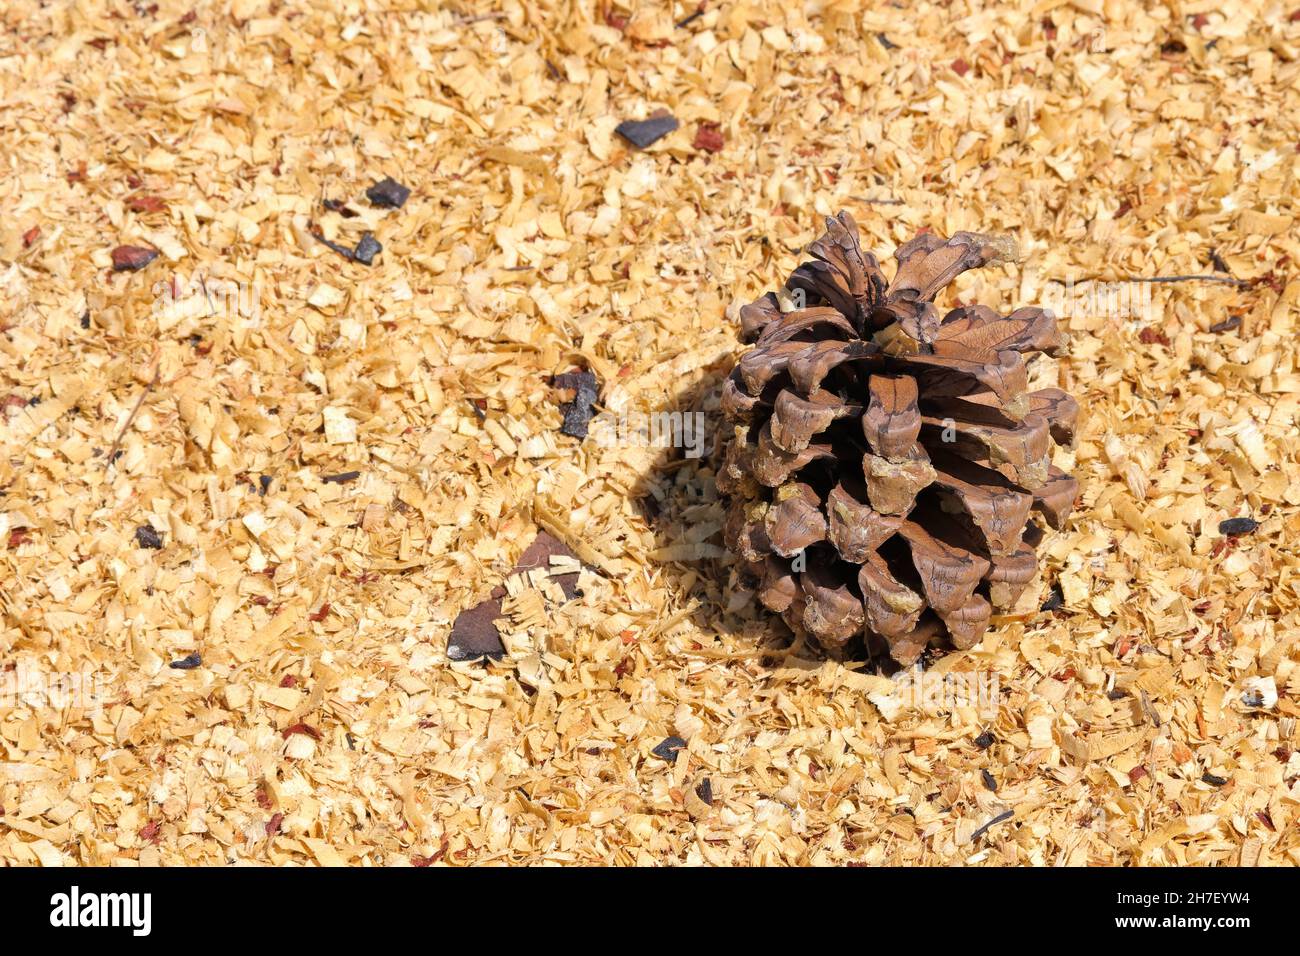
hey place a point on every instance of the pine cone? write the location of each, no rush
(885, 460)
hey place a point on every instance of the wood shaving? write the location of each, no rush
(535, 241)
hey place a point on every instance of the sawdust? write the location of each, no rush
(1151, 720)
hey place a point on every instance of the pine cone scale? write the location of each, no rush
(892, 422)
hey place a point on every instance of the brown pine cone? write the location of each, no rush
(885, 460)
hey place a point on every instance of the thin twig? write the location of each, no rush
(1226, 280)
(478, 18)
(998, 819)
(342, 250)
(699, 12)
(878, 202)
(212, 309)
(117, 442)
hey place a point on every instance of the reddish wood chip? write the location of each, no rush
(151, 831)
(539, 554)
(273, 824)
(307, 729)
(432, 858)
(709, 137)
(30, 236)
(474, 635)
(132, 258)
(960, 66)
(143, 202)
